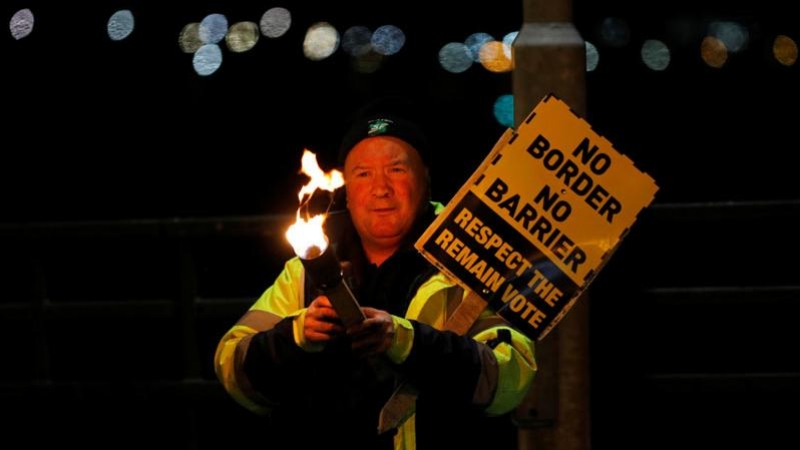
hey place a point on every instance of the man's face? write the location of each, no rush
(386, 185)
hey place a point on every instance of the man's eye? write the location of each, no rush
(362, 174)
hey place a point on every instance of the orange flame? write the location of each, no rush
(306, 234)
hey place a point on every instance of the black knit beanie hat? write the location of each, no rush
(389, 116)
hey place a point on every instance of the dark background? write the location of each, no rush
(127, 129)
(102, 129)
(142, 208)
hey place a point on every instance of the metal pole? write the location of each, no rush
(550, 58)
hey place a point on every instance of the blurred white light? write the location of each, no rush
(21, 24)
(321, 41)
(120, 25)
(275, 22)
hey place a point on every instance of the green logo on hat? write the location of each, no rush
(378, 126)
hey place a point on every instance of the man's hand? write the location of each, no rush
(374, 335)
(321, 321)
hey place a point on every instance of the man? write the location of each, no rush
(321, 384)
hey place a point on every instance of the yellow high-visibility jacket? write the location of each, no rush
(265, 364)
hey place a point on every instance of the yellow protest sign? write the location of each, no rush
(539, 217)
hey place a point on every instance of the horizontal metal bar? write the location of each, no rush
(190, 227)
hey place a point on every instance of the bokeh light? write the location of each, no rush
(504, 110)
(213, 28)
(494, 59)
(275, 22)
(21, 24)
(508, 43)
(120, 25)
(734, 35)
(475, 42)
(455, 57)
(713, 52)
(592, 56)
(242, 36)
(321, 41)
(388, 40)
(189, 38)
(357, 41)
(367, 63)
(207, 59)
(655, 54)
(784, 49)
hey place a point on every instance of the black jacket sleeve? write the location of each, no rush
(442, 364)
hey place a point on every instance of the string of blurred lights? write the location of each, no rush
(720, 40)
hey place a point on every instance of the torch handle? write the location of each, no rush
(345, 303)
(325, 272)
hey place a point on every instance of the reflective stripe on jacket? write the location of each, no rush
(435, 299)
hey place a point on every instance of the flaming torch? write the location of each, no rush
(308, 239)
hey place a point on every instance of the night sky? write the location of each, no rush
(101, 130)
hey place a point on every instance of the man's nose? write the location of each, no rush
(381, 187)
